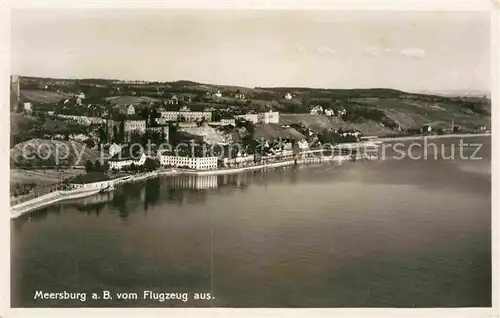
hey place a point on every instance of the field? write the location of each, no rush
(127, 100)
(42, 96)
(41, 177)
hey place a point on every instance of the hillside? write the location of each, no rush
(373, 111)
(67, 152)
(42, 96)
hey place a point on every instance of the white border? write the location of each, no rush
(427, 5)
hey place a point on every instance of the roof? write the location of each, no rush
(90, 178)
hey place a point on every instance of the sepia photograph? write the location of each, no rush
(225, 158)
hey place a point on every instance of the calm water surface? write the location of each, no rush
(369, 234)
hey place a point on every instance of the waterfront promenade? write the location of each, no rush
(56, 196)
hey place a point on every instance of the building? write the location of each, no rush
(329, 112)
(228, 121)
(91, 181)
(317, 109)
(269, 117)
(240, 96)
(288, 96)
(426, 128)
(196, 163)
(130, 110)
(172, 100)
(79, 98)
(218, 94)
(239, 160)
(125, 159)
(134, 125)
(303, 145)
(119, 163)
(114, 149)
(253, 118)
(27, 107)
(160, 129)
(183, 114)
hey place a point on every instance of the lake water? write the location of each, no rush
(394, 233)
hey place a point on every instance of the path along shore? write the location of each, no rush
(431, 137)
(56, 196)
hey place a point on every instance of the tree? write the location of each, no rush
(103, 136)
(97, 166)
(105, 166)
(121, 134)
(90, 143)
(151, 164)
(136, 138)
(89, 166)
(115, 133)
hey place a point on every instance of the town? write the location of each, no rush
(105, 121)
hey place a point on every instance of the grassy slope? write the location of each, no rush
(50, 146)
(42, 96)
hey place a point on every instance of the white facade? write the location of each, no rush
(239, 160)
(228, 121)
(318, 109)
(27, 107)
(188, 115)
(288, 96)
(269, 117)
(303, 145)
(92, 186)
(218, 94)
(119, 164)
(329, 112)
(196, 163)
(135, 125)
(130, 110)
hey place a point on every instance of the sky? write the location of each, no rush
(412, 51)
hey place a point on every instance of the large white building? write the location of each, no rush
(131, 125)
(196, 163)
(184, 114)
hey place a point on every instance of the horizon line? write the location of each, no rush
(422, 91)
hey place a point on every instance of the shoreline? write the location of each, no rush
(57, 196)
(405, 138)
